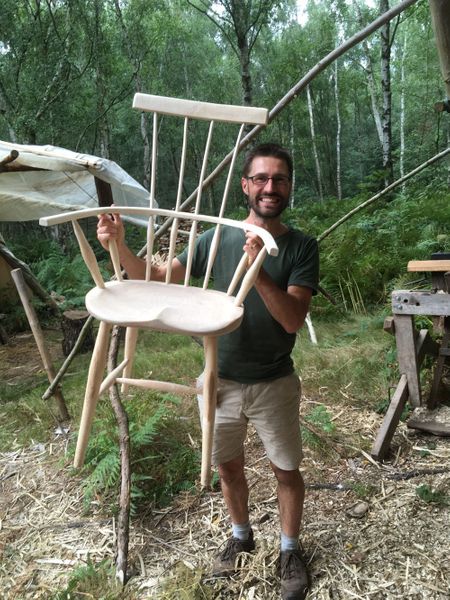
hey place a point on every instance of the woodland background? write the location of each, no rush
(69, 70)
(68, 73)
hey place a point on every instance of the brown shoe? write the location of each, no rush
(225, 563)
(294, 575)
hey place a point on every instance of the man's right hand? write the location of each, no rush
(110, 227)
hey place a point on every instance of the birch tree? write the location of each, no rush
(338, 132)
(386, 115)
(240, 22)
(314, 145)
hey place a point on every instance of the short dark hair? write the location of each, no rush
(268, 149)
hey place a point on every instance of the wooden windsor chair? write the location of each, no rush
(165, 306)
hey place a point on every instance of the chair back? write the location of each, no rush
(189, 111)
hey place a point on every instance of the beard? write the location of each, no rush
(269, 209)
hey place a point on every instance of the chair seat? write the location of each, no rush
(165, 307)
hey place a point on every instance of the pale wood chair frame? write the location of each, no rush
(97, 384)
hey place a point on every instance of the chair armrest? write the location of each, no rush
(266, 237)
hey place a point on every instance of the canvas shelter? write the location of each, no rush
(38, 181)
(47, 180)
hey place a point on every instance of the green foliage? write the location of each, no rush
(430, 496)
(65, 276)
(161, 463)
(320, 418)
(363, 490)
(93, 581)
(364, 259)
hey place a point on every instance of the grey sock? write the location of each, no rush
(241, 531)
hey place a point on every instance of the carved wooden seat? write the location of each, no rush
(165, 306)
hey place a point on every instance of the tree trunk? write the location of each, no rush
(440, 15)
(402, 110)
(386, 115)
(102, 133)
(71, 325)
(292, 147)
(338, 133)
(314, 147)
(371, 86)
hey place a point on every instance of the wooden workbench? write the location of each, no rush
(413, 345)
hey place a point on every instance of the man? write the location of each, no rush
(257, 382)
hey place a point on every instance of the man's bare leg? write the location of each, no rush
(293, 572)
(235, 489)
(291, 496)
(235, 493)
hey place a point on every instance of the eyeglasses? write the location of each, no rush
(263, 179)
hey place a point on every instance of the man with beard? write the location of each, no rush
(257, 383)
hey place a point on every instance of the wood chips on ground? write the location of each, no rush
(399, 547)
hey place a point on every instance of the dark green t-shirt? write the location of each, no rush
(260, 349)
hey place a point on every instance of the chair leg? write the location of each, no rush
(129, 352)
(209, 407)
(95, 377)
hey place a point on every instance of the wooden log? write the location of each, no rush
(424, 344)
(430, 426)
(123, 520)
(66, 364)
(389, 325)
(19, 280)
(72, 324)
(11, 157)
(436, 388)
(30, 279)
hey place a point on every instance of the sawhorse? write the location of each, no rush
(413, 345)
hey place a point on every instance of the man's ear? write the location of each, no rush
(244, 184)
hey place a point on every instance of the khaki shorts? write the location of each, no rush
(273, 409)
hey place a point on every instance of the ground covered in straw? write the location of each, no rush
(370, 531)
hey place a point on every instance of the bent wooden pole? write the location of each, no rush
(386, 190)
(95, 377)
(22, 290)
(209, 407)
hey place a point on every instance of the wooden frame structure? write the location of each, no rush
(413, 345)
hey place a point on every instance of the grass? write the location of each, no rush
(352, 360)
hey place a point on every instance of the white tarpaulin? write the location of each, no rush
(66, 183)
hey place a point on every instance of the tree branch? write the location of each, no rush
(123, 520)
